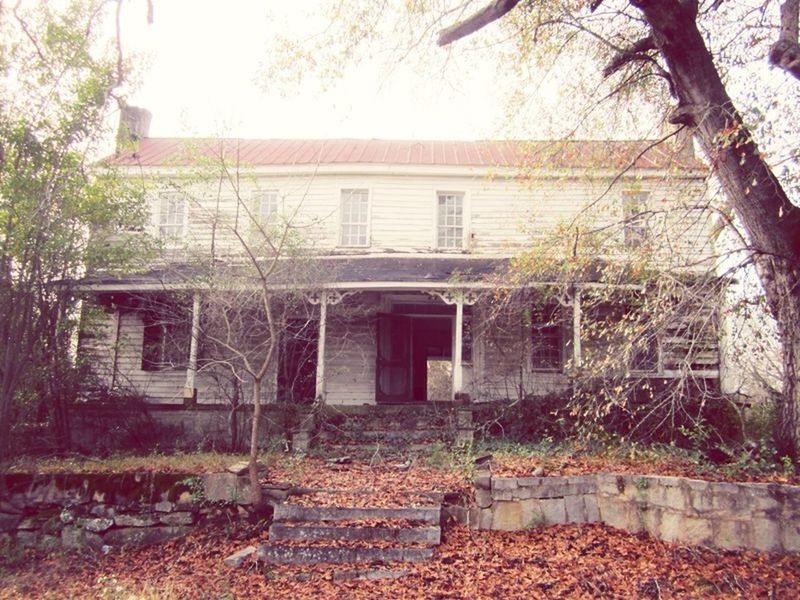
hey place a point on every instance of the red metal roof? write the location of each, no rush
(165, 152)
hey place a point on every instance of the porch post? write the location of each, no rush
(323, 317)
(191, 369)
(576, 328)
(457, 369)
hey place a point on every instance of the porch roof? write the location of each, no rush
(328, 272)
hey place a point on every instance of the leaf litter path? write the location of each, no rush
(359, 484)
(568, 561)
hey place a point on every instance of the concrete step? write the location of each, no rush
(314, 514)
(296, 555)
(430, 536)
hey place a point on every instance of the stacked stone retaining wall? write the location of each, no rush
(102, 511)
(756, 516)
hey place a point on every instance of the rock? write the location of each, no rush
(483, 498)
(482, 481)
(28, 524)
(10, 508)
(223, 487)
(164, 506)
(79, 539)
(135, 520)
(177, 518)
(142, 536)
(27, 539)
(49, 542)
(538, 472)
(96, 525)
(340, 460)
(276, 492)
(9, 522)
(243, 467)
(237, 559)
(101, 510)
(483, 461)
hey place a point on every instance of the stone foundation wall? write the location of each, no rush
(101, 511)
(754, 516)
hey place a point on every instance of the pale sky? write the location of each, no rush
(199, 64)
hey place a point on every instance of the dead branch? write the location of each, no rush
(479, 20)
(785, 53)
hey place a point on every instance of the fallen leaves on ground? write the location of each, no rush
(569, 561)
(511, 464)
(360, 484)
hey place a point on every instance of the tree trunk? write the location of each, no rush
(771, 221)
(255, 486)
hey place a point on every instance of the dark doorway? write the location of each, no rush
(297, 364)
(411, 350)
(432, 345)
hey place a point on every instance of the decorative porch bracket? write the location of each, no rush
(324, 298)
(459, 297)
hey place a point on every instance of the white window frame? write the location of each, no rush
(464, 221)
(347, 223)
(176, 238)
(258, 217)
(635, 228)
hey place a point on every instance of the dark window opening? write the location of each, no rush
(166, 342)
(547, 345)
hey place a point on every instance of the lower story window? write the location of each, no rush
(166, 342)
(547, 347)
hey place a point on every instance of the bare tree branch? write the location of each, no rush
(479, 20)
(636, 51)
(785, 53)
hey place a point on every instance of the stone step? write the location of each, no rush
(430, 536)
(393, 450)
(389, 435)
(296, 555)
(312, 514)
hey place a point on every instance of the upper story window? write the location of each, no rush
(634, 207)
(450, 220)
(547, 346)
(171, 216)
(354, 218)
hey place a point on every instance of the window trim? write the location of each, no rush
(340, 223)
(464, 220)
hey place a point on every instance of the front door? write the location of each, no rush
(393, 366)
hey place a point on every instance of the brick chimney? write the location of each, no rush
(134, 124)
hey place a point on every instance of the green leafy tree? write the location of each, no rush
(58, 218)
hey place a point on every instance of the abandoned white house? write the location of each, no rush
(409, 240)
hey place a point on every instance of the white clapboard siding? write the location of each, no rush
(503, 215)
(97, 340)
